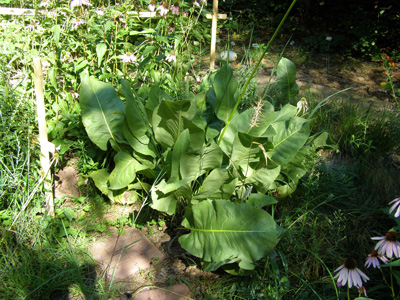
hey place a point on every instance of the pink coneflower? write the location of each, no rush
(395, 203)
(350, 274)
(302, 105)
(74, 94)
(164, 8)
(152, 6)
(388, 244)
(171, 27)
(76, 23)
(373, 260)
(128, 58)
(32, 25)
(80, 3)
(171, 57)
(45, 3)
(175, 8)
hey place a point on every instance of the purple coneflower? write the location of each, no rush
(80, 3)
(395, 203)
(302, 105)
(388, 244)
(164, 8)
(350, 274)
(128, 58)
(32, 25)
(152, 6)
(171, 57)
(76, 23)
(373, 260)
(175, 8)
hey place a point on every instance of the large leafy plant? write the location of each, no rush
(222, 166)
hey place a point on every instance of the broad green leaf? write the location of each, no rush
(290, 138)
(260, 200)
(225, 87)
(143, 146)
(221, 230)
(305, 158)
(197, 162)
(286, 78)
(102, 112)
(166, 202)
(262, 178)
(69, 212)
(155, 96)
(181, 146)
(219, 184)
(250, 151)
(100, 178)
(170, 118)
(285, 113)
(125, 171)
(135, 118)
(240, 123)
(56, 35)
(100, 51)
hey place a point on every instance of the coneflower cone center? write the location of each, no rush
(350, 263)
(374, 253)
(391, 236)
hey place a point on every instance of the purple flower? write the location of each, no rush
(388, 244)
(152, 6)
(164, 8)
(128, 58)
(76, 23)
(80, 3)
(175, 8)
(350, 274)
(373, 260)
(171, 57)
(395, 203)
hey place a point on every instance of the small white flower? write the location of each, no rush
(292, 42)
(302, 105)
(171, 57)
(350, 274)
(45, 3)
(233, 43)
(152, 6)
(76, 23)
(329, 38)
(32, 25)
(74, 94)
(373, 260)
(175, 8)
(128, 58)
(388, 244)
(395, 203)
(80, 3)
(164, 9)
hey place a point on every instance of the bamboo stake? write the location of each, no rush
(213, 33)
(44, 143)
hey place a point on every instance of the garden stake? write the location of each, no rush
(44, 143)
(213, 33)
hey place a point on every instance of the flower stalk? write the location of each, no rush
(254, 70)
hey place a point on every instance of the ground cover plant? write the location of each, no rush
(276, 191)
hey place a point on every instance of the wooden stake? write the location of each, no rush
(44, 143)
(213, 33)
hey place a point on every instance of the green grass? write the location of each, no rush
(335, 211)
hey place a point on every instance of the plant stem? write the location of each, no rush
(254, 70)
